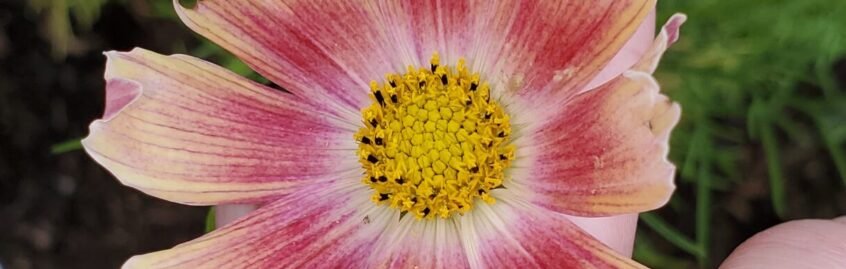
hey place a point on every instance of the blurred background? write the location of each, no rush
(762, 84)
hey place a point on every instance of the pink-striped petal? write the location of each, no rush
(324, 51)
(515, 234)
(604, 154)
(321, 226)
(549, 50)
(185, 130)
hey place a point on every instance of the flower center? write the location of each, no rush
(433, 141)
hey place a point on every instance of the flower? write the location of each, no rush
(414, 134)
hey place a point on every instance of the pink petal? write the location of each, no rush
(634, 50)
(187, 131)
(796, 244)
(225, 214)
(515, 234)
(326, 53)
(669, 35)
(604, 154)
(546, 51)
(617, 232)
(319, 226)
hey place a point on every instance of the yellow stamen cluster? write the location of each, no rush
(433, 141)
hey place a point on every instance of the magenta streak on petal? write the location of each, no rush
(121, 93)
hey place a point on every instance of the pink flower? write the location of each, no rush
(416, 133)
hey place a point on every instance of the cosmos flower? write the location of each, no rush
(430, 134)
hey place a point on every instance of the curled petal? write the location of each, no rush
(311, 228)
(605, 154)
(669, 34)
(631, 53)
(187, 131)
(515, 234)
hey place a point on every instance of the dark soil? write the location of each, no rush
(64, 210)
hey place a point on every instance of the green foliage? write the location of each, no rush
(738, 72)
(56, 18)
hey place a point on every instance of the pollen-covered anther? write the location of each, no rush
(433, 141)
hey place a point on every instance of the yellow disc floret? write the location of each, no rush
(434, 141)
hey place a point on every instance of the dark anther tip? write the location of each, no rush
(383, 179)
(372, 159)
(379, 97)
(473, 86)
(365, 140)
(444, 79)
(379, 141)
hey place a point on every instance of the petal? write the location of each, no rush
(413, 243)
(544, 49)
(604, 154)
(187, 131)
(669, 35)
(810, 243)
(617, 232)
(516, 234)
(634, 50)
(319, 226)
(327, 53)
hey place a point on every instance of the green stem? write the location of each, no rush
(672, 235)
(770, 145)
(703, 202)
